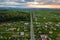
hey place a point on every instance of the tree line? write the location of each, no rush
(13, 15)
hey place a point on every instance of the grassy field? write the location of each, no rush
(15, 25)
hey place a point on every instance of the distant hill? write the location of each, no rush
(10, 8)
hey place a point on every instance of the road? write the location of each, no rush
(31, 27)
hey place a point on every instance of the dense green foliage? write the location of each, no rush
(15, 24)
(13, 15)
(46, 22)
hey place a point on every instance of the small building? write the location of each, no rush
(44, 37)
(22, 33)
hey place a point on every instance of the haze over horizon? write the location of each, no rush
(30, 3)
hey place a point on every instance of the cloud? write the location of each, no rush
(44, 6)
(13, 4)
(28, 3)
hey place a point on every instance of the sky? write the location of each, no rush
(30, 3)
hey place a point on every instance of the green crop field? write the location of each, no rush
(15, 25)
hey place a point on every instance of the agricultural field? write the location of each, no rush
(15, 25)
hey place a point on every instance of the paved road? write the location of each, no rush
(31, 27)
